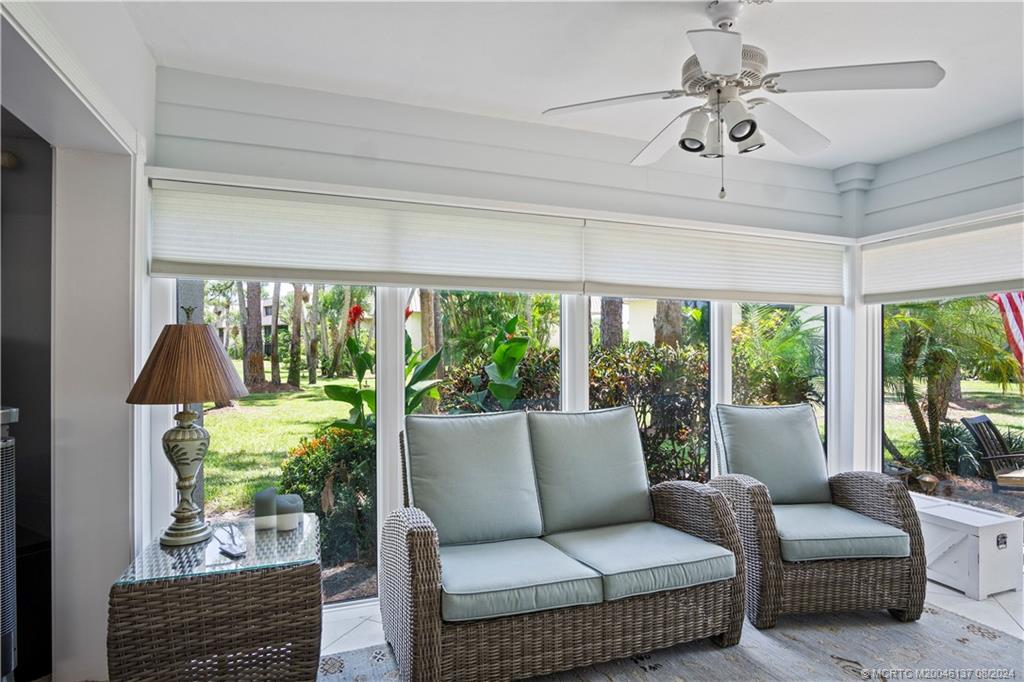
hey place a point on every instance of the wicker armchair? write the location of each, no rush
(541, 642)
(776, 586)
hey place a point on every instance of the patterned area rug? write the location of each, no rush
(818, 647)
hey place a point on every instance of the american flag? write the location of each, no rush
(1011, 305)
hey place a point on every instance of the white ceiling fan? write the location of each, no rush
(724, 72)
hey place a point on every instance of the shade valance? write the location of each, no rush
(960, 262)
(226, 232)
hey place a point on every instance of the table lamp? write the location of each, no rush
(187, 365)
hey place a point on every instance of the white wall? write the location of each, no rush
(971, 175)
(92, 372)
(103, 42)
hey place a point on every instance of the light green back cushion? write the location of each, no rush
(778, 446)
(590, 468)
(473, 476)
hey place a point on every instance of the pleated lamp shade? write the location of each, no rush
(187, 365)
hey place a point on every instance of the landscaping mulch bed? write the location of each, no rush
(977, 492)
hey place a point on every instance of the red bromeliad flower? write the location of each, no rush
(355, 313)
(408, 312)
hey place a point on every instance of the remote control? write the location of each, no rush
(233, 551)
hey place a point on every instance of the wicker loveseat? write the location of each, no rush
(814, 543)
(531, 543)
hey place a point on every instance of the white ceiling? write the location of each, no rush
(513, 60)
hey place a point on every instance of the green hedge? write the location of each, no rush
(335, 474)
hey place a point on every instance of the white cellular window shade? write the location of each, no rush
(945, 265)
(212, 231)
(681, 263)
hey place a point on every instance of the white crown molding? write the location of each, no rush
(37, 32)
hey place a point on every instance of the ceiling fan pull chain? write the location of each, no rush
(718, 99)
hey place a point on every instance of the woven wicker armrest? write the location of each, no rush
(877, 495)
(410, 592)
(752, 506)
(697, 509)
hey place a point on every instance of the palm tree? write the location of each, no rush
(778, 352)
(668, 323)
(313, 333)
(295, 350)
(275, 317)
(931, 342)
(254, 334)
(611, 321)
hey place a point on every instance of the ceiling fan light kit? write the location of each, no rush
(695, 136)
(723, 71)
(752, 143)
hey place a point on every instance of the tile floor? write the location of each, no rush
(355, 627)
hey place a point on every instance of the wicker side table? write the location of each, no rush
(191, 613)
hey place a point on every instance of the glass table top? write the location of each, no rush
(264, 549)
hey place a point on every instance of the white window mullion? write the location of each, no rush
(575, 353)
(390, 382)
(721, 358)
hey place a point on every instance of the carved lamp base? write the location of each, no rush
(185, 447)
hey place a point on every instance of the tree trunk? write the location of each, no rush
(668, 323)
(254, 334)
(275, 355)
(950, 392)
(240, 292)
(913, 344)
(891, 448)
(611, 322)
(343, 332)
(438, 332)
(227, 322)
(295, 349)
(429, 337)
(325, 339)
(314, 333)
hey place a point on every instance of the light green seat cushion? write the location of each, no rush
(590, 468)
(473, 476)
(645, 557)
(515, 576)
(825, 531)
(779, 446)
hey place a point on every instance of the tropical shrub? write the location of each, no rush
(539, 373)
(669, 389)
(362, 398)
(335, 474)
(960, 452)
(778, 356)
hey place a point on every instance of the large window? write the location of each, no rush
(944, 360)
(778, 356)
(304, 352)
(653, 354)
(498, 350)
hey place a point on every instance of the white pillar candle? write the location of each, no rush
(289, 512)
(266, 509)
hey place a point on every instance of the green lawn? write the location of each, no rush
(979, 397)
(249, 441)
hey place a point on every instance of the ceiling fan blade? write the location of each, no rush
(663, 141)
(787, 129)
(891, 76)
(719, 52)
(612, 101)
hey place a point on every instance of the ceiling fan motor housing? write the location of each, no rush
(755, 65)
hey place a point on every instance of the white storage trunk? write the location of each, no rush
(976, 551)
